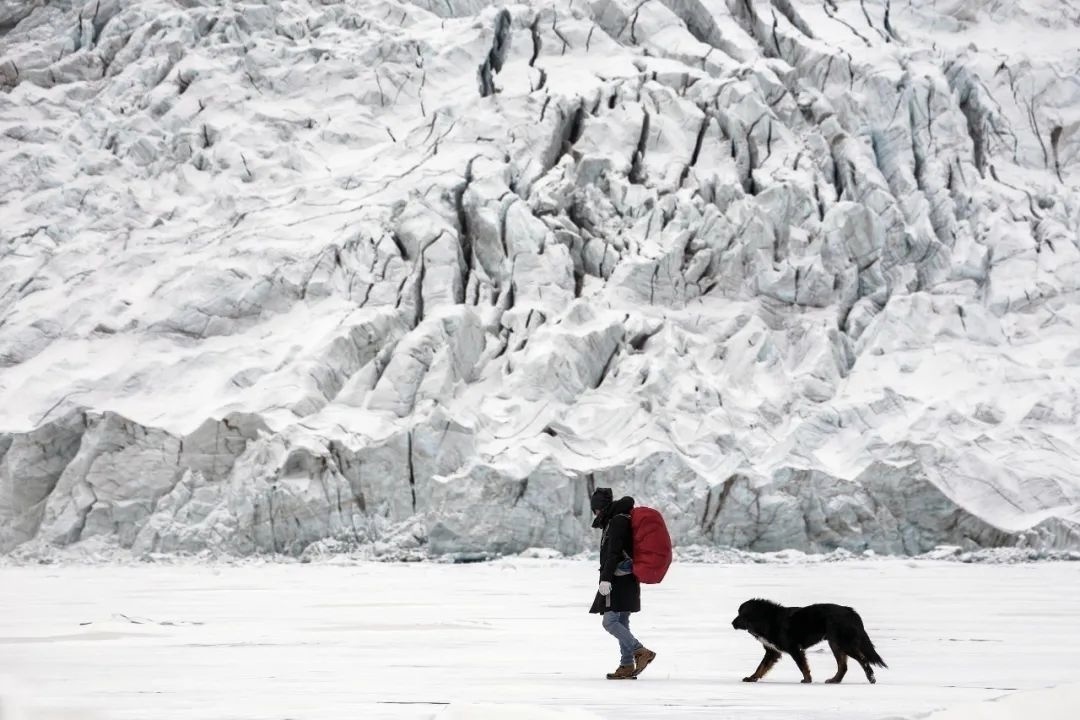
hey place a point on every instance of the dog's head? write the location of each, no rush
(756, 615)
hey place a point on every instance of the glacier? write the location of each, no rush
(304, 276)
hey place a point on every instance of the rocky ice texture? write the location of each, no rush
(418, 275)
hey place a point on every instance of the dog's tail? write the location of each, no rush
(868, 652)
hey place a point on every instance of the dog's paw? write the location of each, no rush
(832, 681)
(804, 681)
(749, 679)
(873, 680)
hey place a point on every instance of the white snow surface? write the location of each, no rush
(1058, 703)
(512, 638)
(307, 276)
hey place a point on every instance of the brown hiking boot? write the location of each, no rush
(642, 658)
(623, 672)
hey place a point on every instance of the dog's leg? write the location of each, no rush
(766, 664)
(800, 659)
(841, 662)
(867, 669)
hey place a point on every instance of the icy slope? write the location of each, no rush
(418, 275)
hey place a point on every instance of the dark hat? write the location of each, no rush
(601, 498)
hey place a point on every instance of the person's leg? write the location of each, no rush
(642, 655)
(636, 645)
(614, 624)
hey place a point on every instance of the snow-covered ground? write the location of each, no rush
(511, 639)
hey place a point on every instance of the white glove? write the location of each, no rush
(605, 588)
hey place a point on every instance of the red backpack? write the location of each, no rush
(652, 545)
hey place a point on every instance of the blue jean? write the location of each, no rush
(618, 624)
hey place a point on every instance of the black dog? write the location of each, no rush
(792, 630)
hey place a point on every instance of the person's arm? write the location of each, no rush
(618, 537)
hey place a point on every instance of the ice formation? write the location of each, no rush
(417, 275)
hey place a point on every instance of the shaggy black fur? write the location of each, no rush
(792, 630)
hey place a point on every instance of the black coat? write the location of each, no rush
(616, 545)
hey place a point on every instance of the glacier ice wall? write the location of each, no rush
(417, 275)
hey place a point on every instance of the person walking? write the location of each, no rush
(619, 593)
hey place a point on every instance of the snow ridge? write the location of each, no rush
(416, 276)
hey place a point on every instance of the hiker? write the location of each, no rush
(619, 593)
